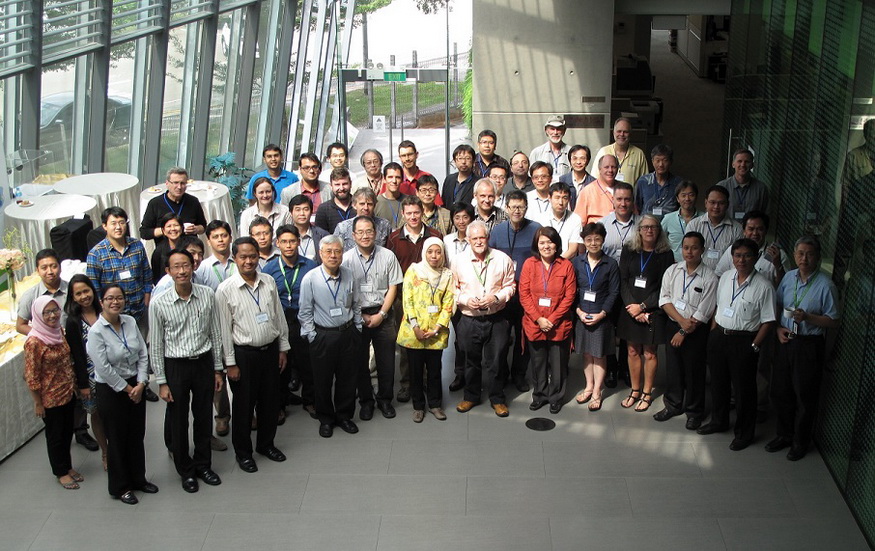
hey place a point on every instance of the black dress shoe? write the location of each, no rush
(295, 383)
(294, 400)
(348, 426)
(247, 464)
(128, 498)
(86, 441)
(273, 454)
(778, 444)
(664, 414)
(150, 395)
(326, 430)
(738, 445)
(555, 408)
(611, 379)
(457, 384)
(208, 476)
(148, 488)
(711, 428)
(796, 453)
(366, 413)
(387, 409)
(693, 423)
(521, 384)
(311, 410)
(190, 484)
(403, 395)
(537, 404)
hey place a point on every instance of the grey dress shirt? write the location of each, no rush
(322, 295)
(117, 355)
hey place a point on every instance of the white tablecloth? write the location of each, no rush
(109, 189)
(214, 199)
(36, 221)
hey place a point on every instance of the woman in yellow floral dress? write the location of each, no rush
(428, 306)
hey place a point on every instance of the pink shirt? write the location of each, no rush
(475, 278)
(594, 202)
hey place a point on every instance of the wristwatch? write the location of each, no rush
(755, 347)
(682, 332)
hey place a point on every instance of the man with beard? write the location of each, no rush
(331, 213)
(555, 151)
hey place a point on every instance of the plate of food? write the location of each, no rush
(25, 203)
(155, 189)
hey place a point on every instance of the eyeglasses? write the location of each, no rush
(516, 208)
(309, 168)
(742, 256)
(364, 233)
(113, 299)
(52, 312)
(117, 224)
(649, 228)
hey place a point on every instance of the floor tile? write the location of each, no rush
(426, 533)
(495, 496)
(615, 459)
(574, 533)
(792, 534)
(281, 532)
(471, 458)
(385, 494)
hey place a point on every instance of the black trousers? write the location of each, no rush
(795, 388)
(125, 425)
(383, 339)
(332, 355)
(192, 384)
(299, 361)
(685, 372)
(485, 341)
(257, 390)
(733, 366)
(429, 361)
(519, 356)
(59, 434)
(459, 363)
(548, 366)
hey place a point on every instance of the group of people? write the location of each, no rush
(529, 259)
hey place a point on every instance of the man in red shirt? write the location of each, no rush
(412, 173)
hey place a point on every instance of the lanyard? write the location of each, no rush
(304, 247)
(741, 197)
(515, 234)
(463, 243)
(714, 239)
(687, 285)
(255, 296)
(370, 263)
(285, 279)
(122, 338)
(555, 157)
(683, 224)
(591, 274)
(623, 236)
(458, 187)
(642, 262)
(434, 288)
(562, 225)
(481, 166)
(481, 275)
(599, 184)
(219, 274)
(376, 185)
(336, 290)
(394, 214)
(661, 191)
(343, 215)
(798, 301)
(546, 202)
(740, 289)
(545, 275)
(166, 202)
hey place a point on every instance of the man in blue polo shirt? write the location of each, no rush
(272, 155)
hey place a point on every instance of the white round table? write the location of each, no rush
(109, 189)
(36, 221)
(214, 198)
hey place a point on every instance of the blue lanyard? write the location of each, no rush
(394, 214)
(742, 198)
(515, 234)
(370, 263)
(122, 338)
(166, 202)
(740, 289)
(624, 236)
(562, 225)
(591, 274)
(340, 212)
(643, 262)
(336, 290)
(304, 248)
(714, 239)
(687, 285)
(256, 296)
(458, 187)
(555, 157)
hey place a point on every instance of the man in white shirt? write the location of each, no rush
(555, 151)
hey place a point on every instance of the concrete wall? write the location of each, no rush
(534, 58)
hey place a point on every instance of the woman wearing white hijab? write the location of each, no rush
(428, 306)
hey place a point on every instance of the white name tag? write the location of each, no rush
(620, 177)
(545, 302)
(788, 313)
(124, 274)
(335, 312)
(680, 305)
(589, 296)
(367, 288)
(261, 317)
(739, 214)
(433, 309)
(713, 254)
(728, 312)
(657, 211)
(641, 282)
(514, 265)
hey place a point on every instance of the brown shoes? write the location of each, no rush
(465, 406)
(500, 410)
(222, 428)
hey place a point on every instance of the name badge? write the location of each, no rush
(728, 312)
(514, 265)
(335, 312)
(545, 302)
(657, 211)
(713, 254)
(788, 313)
(811, 216)
(261, 317)
(738, 215)
(433, 309)
(367, 288)
(124, 274)
(680, 305)
(641, 282)
(589, 296)
(620, 176)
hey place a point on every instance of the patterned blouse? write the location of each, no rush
(430, 306)
(48, 370)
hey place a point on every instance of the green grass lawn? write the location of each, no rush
(430, 94)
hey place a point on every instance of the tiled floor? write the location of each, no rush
(608, 480)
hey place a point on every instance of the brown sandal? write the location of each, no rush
(645, 401)
(72, 485)
(631, 399)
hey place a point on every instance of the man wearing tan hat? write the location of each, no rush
(555, 151)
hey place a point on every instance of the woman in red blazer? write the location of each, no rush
(547, 290)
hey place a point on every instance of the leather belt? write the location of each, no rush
(735, 333)
(339, 328)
